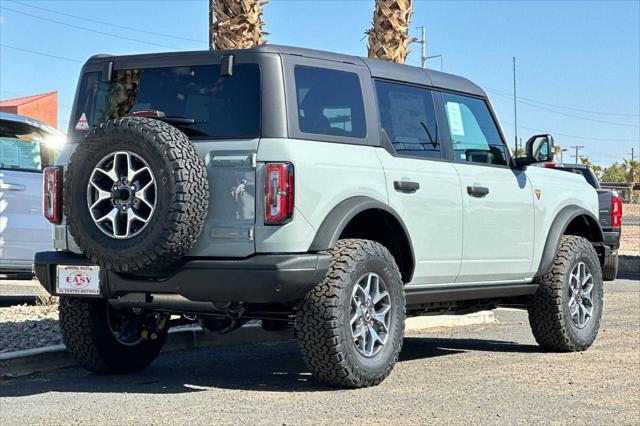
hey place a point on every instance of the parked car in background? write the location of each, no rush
(610, 215)
(26, 147)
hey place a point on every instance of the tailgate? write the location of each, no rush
(604, 201)
(229, 227)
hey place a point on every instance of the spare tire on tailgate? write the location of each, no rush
(135, 194)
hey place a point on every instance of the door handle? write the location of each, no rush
(477, 191)
(406, 186)
(12, 187)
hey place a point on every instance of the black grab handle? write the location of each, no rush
(477, 191)
(406, 186)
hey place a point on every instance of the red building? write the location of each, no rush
(43, 107)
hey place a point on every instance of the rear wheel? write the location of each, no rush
(106, 340)
(565, 312)
(350, 326)
(610, 268)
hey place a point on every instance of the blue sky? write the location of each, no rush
(578, 62)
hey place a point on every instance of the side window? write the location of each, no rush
(329, 102)
(474, 134)
(408, 117)
(23, 147)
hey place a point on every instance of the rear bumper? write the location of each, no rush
(612, 238)
(276, 278)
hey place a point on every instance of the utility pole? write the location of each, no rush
(211, 21)
(632, 154)
(515, 107)
(423, 42)
(577, 156)
(562, 150)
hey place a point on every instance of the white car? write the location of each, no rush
(26, 147)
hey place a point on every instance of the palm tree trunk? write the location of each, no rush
(389, 35)
(235, 24)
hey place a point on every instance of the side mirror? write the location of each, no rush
(540, 149)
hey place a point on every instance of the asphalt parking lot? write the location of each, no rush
(475, 374)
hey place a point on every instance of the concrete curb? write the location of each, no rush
(29, 361)
(421, 323)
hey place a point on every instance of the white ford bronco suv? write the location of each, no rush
(329, 193)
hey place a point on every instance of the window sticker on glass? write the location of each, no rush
(455, 119)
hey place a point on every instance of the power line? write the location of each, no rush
(577, 148)
(89, 29)
(566, 114)
(84, 18)
(571, 136)
(504, 93)
(35, 52)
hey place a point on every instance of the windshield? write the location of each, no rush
(220, 106)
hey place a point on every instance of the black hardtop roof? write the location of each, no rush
(377, 68)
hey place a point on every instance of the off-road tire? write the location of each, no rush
(549, 315)
(182, 195)
(86, 334)
(610, 268)
(322, 319)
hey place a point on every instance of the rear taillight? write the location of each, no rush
(550, 165)
(278, 198)
(616, 211)
(52, 194)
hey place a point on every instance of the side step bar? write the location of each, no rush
(420, 296)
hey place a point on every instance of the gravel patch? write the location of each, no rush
(26, 327)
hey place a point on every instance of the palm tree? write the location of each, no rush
(235, 24)
(632, 168)
(389, 35)
(596, 168)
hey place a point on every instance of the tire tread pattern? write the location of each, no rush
(188, 203)
(319, 318)
(547, 317)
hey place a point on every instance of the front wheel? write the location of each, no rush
(565, 312)
(350, 326)
(106, 340)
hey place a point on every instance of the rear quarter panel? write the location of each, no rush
(557, 191)
(325, 174)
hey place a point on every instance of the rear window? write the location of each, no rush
(223, 106)
(329, 102)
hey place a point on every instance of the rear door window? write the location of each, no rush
(407, 116)
(474, 134)
(329, 102)
(222, 106)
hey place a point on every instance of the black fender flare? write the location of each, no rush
(558, 229)
(339, 217)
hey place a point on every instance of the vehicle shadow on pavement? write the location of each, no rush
(268, 367)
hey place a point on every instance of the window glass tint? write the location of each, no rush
(329, 102)
(223, 106)
(474, 134)
(408, 117)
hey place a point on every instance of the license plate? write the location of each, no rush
(78, 280)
